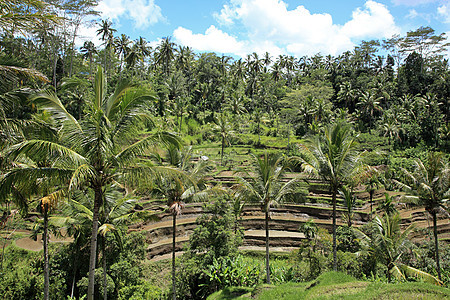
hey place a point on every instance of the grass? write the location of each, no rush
(336, 285)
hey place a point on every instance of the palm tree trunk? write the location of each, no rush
(46, 268)
(334, 231)
(371, 203)
(221, 154)
(105, 290)
(93, 254)
(436, 244)
(267, 247)
(75, 268)
(174, 224)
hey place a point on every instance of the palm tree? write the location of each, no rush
(349, 203)
(387, 205)
(99, 150)
(189, 184)
(388, 244)
(107, 36)
(429, 186)
(369, 104)
(265, 185)
(89, 50)
(223, 127)
(164, 54)
(334, 158)
(122, 45)
(372, 184)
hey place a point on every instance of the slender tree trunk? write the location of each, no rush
(267, 247)
(388, 273)
(371, 203)
(75, 269)
(93, 253)
(46, 269)
(105, 290)
(436, 244)
(72, 48)
(334, 231)
(221, 154)
(174, 228)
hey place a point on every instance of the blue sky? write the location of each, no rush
(300, 27)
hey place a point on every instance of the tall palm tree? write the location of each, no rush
(97, 151)
(122, 46)
(188, 185)
(333, 157)
(224, 129)
(265, 185)
(89, 50)
(429, 186)
(372, 184)
(107, 36)
(165, 53)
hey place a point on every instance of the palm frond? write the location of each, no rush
(50, 102)
(41, 150)
(413, 272)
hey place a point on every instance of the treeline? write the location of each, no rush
(398, 85)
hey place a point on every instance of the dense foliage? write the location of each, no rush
(90, 146)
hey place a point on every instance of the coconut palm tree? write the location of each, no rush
(99, 150)
(89, 50)
(334, 158)
(265, 185)
(165, 53)
(369, 103)
(388, 243)
(372, 184)
(122, 46)
(107, 36)
(224, 129)
(429, 186)
(188, 185)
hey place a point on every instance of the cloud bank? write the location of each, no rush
(269, 25)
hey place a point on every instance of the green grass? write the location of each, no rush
(337, 285)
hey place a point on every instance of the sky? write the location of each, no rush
(288, 27)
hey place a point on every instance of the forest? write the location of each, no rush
(136, 172)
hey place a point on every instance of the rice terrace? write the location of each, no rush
(238, 149)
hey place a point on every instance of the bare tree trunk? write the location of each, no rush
(77, 24)
(267, 247)
(93, 253)
(45, 239)
(174, 228)
(436, 244)
(334, 231)
(105, 290)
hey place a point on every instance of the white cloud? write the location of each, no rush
(412, 2)
(373, 21)
(213, 40)
(412, 14)
(270, 26)
(87, 33)
(143, 12)
(444, 11)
